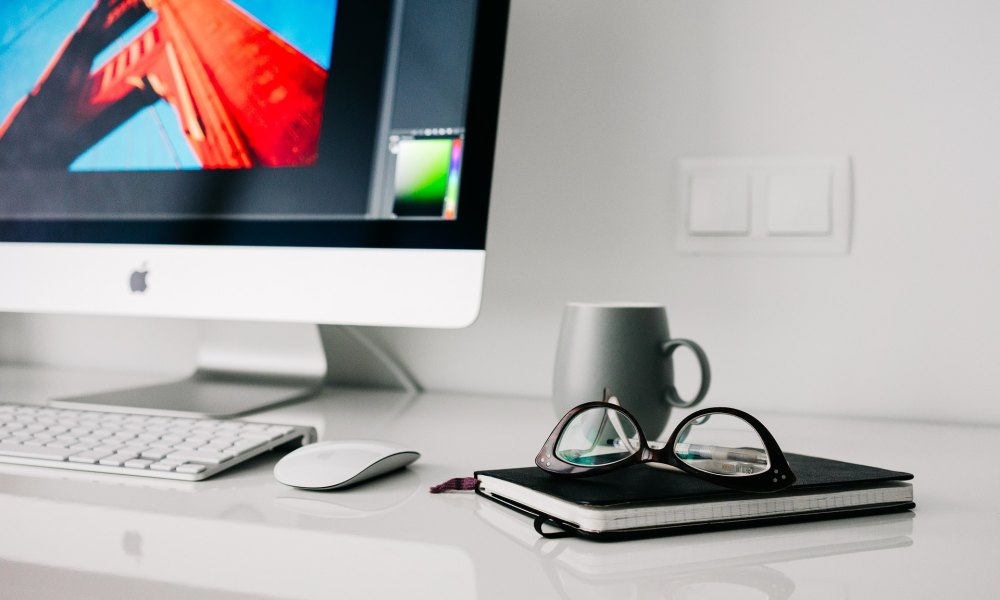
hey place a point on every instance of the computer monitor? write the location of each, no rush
(238, 161)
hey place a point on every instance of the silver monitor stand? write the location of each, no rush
(241, 367)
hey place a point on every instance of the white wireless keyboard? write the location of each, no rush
(134, 444)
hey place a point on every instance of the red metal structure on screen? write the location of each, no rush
(243, 96)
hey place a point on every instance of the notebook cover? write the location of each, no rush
(643, 484)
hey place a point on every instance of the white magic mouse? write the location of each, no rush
(337, 464)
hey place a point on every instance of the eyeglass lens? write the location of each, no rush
(598, 436)
(722, 444)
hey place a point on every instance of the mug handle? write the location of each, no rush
(671, 394)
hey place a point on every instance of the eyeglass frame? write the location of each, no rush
(778, 476)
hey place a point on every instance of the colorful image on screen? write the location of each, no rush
(426, 181)
(115, 85)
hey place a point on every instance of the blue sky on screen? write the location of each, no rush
(31, 31)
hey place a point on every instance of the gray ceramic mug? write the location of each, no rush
(625, 347)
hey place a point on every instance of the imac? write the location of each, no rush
(261, 166)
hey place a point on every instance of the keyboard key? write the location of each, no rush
(163, 466)
(222, 449)
(89, 457)
(204, 457)
(109, 448)
(219, 444)
(245, 446)
(263, 436)
(187, 468)
(116, 460)
(137, 463)
(45, 453)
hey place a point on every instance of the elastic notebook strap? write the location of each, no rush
(565, 530)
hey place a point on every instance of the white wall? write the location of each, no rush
(601, 97)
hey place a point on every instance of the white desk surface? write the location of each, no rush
(243, 535)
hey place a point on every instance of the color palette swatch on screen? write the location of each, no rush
(427, 177)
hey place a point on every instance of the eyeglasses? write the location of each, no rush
(725, 446)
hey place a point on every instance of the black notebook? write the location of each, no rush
(640, 500)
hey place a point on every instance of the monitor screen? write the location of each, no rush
(317, 161)
(305, 123)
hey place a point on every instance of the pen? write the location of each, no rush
(701, 451)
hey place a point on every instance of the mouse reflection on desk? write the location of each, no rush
(339, 464)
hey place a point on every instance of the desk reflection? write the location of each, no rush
(723, 565)
(225, 540)
(373, 498)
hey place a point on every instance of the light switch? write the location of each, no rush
(718, 204)
(764, 205)
(798, 202)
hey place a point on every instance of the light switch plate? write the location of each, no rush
(789, 205)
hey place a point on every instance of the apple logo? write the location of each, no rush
(137, 282)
